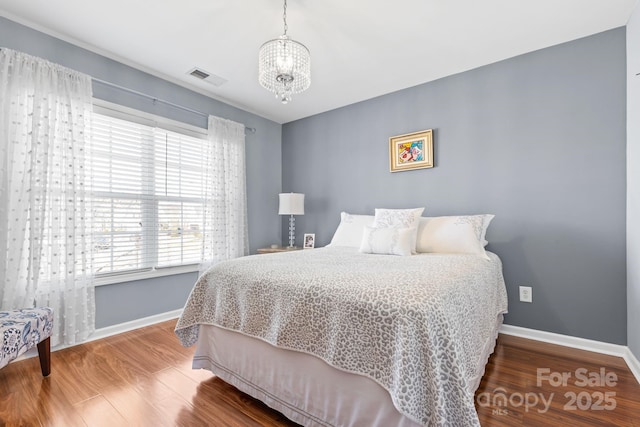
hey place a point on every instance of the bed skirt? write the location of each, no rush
(303, 387)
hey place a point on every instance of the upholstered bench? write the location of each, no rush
(20, 330)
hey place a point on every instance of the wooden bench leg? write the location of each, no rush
(44, 354)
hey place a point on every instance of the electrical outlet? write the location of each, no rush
(526, 294)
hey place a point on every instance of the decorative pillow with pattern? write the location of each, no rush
(453, 234)
(399, 218)
(388, 241)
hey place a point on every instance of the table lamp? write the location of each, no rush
(291, 204)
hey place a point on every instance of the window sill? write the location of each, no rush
(142, 275)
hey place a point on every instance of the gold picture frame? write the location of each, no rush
(411, 151)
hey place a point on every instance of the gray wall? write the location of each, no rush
(132, 300)
(633, 183)
(538, 140)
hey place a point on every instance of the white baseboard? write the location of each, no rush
(633, 363)
(113, 330)
(565, 340)
(579, 343)
(133, 324)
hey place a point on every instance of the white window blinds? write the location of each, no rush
(148, 201)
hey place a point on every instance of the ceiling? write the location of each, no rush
(360, 49)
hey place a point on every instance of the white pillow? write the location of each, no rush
(350, 230)
(398, 218)
(387, 241)
(453, 234)
(485, 225)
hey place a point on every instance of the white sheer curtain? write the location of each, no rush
(45, 253)
(225, 193)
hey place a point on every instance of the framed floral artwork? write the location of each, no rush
(411, 151)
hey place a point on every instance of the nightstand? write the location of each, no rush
(278, 249)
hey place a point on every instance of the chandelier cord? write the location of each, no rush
(284, 18)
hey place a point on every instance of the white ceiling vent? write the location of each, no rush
(208, 77)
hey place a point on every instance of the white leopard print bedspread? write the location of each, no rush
(421, 326)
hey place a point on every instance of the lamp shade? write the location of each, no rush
(291, 204)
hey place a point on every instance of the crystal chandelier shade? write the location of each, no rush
(284, 65)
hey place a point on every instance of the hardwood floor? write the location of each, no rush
(551, 385)
(144, 378)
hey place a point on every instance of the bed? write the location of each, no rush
(340, 337)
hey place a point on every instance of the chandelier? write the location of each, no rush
(284, 65)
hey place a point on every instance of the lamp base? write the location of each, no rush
(292, 231)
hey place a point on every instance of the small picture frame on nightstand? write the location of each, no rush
(309, 241)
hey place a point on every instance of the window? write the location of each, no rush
(148, 196)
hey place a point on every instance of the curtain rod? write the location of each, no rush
(155, 99)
